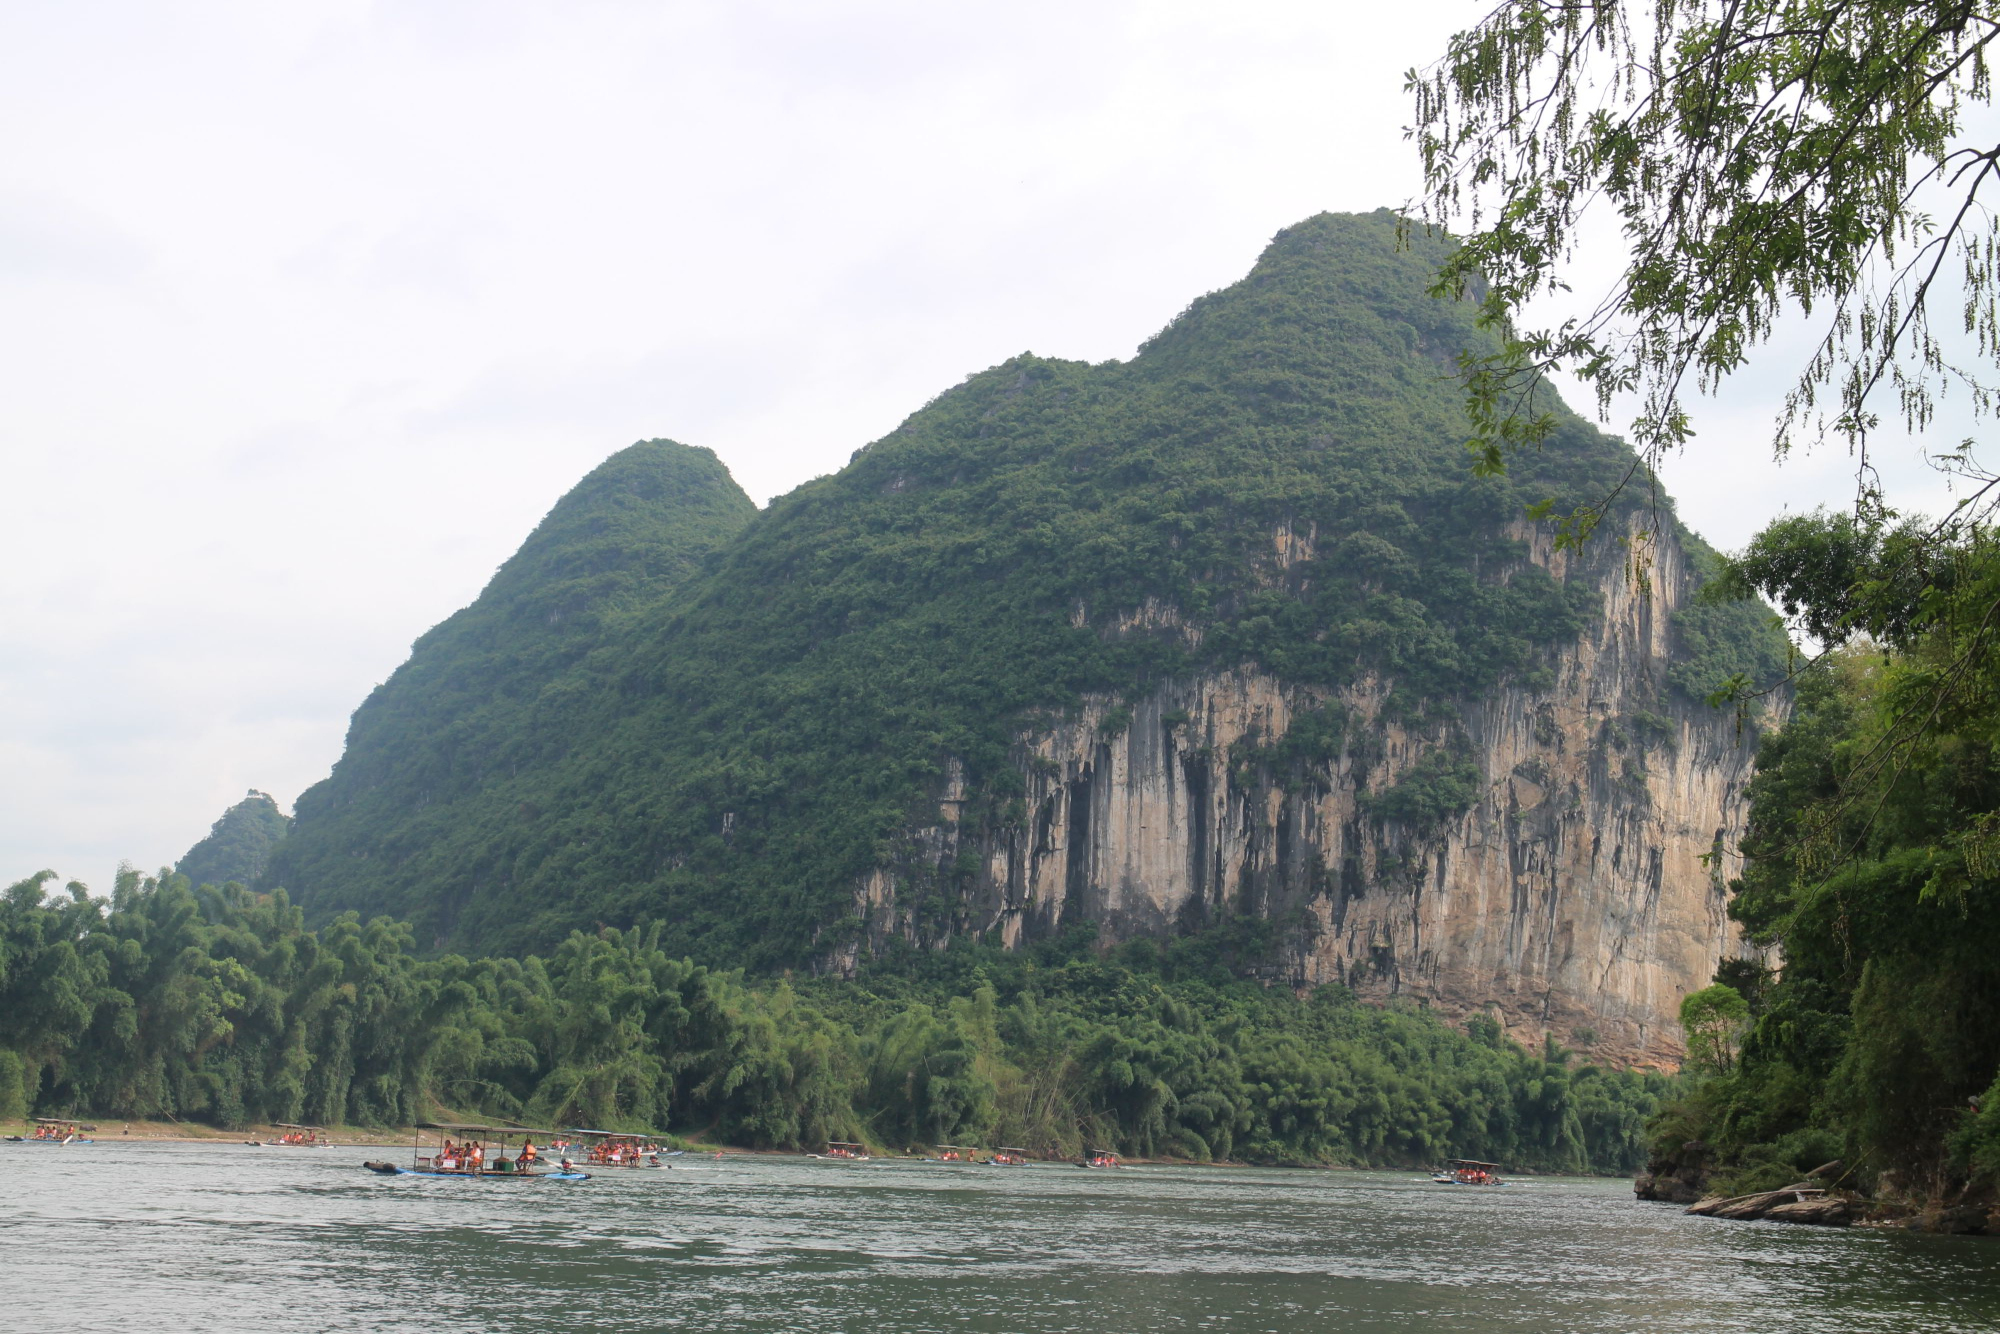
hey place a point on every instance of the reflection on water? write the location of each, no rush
(133, 1237)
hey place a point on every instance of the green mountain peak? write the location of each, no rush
(239, 845)
(481, 694)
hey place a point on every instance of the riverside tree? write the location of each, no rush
(1713, 1019)
(1761, 158)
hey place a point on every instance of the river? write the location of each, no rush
(133, 1237)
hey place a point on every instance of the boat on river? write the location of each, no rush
(300, 1137)
(54, 1130)
(1008, 1156)
(842, 1150)
(618, 1148)
(461, 1153)
(1100, 1158)
(1468, 1172)
(949, 1153)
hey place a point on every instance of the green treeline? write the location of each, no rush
(1873, 873)
(217, 1005)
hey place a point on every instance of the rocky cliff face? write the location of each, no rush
(1582, 894)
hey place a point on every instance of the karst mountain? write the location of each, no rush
(1226, 637)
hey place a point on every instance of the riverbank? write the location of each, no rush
(109, 1130)
(189, 1132)
(120, 1130)
(1831, 1195)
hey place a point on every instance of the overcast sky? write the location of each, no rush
(310, 310)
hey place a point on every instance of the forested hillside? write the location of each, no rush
(217, 1005)
(488, 693)
(240, 844)
(729, 755)
(1874, 874)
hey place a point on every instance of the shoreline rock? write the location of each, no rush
(1801, 1203)
(1675, 1177)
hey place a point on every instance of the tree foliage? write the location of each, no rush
(219, 1005)
(1873, 866)
(1713, 1020)
(1760, 157)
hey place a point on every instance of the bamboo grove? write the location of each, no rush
(217, 1005)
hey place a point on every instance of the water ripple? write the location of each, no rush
(124, 1237)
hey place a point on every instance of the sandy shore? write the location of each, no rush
(110, 1131)
(187, 1132)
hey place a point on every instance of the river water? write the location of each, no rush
(219, 1237)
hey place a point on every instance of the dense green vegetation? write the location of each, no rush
(216, 1004)
(734, 752)
(1766, 162)
(239, 846)
(460, 718)
(1874, 865)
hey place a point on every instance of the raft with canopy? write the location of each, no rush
(1100, 1158)
(300, 1137)
(1468, 1172)
(843, 1150)
(1008, 1155)
(462, 1152)
(54, 1130)
(620, 1148)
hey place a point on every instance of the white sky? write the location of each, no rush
(310, 310)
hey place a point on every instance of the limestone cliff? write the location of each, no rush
(1581, 895)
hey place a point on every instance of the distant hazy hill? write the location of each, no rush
(666, 708)
(238, 846)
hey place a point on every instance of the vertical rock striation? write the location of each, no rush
(1581, 895)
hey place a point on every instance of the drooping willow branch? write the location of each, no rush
(1762, 158)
